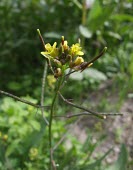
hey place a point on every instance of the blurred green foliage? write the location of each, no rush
(23, 143)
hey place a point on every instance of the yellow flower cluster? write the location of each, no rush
(63, 57)
(33, 153)
(4, 137)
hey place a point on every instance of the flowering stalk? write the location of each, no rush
(60, 58)
(52, 162)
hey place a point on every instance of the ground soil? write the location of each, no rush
(118, 129)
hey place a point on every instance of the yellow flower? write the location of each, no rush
(5, 137)
(33, 153)
(52, 51)
(75, 50)
(78, 61)
(51, 80)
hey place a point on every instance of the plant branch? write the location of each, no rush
(41, 38)
(82, 108)
(87, 114)
(94, 59)
(42, 91)
(21, 100)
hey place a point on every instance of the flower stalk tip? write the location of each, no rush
(105, 49)
(38, 31)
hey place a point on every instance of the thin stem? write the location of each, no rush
(50, 125)
(82, 108)
(42, 91)
(83, 21)
(41, 38)
(88, 114)
(94, 59)
(21, 100)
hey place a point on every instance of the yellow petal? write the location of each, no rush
(48, 47)
(45, 54)
(80, 53)
(78, 61)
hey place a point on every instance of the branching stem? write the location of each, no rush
(88, 114)
(21, 100)
(82, 108)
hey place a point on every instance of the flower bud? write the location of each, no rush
(58, 73)
(59, 64)
(5, 137)
(62, 40)
(78, 61)
(33, 153)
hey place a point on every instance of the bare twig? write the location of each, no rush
(82, 108)
(68, 74)
(60, 141)
(94, 59)
(21, 100)
(87, 114)
(41, 38)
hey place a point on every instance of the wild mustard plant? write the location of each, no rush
(61, 58)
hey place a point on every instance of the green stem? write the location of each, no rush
(83, 21)
(42, 91)
(52, 164)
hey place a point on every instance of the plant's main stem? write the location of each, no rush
(52, 163)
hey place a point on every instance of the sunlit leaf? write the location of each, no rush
(85, 31)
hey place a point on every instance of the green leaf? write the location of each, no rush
(114, 35)
(98, 15)
(85, 32)
(121, 162)
(77, 76)
(94, 74)
(35, 124)
(77, 3)
(52, 35)
(14, 85)
(35, 137)
(96, 163)
(96, 11)
(122, 17)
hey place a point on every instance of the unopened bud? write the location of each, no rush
(90, 64)
(78, 61)
(5, 137)
(57, 62)
(58, 73)
(62, 40)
